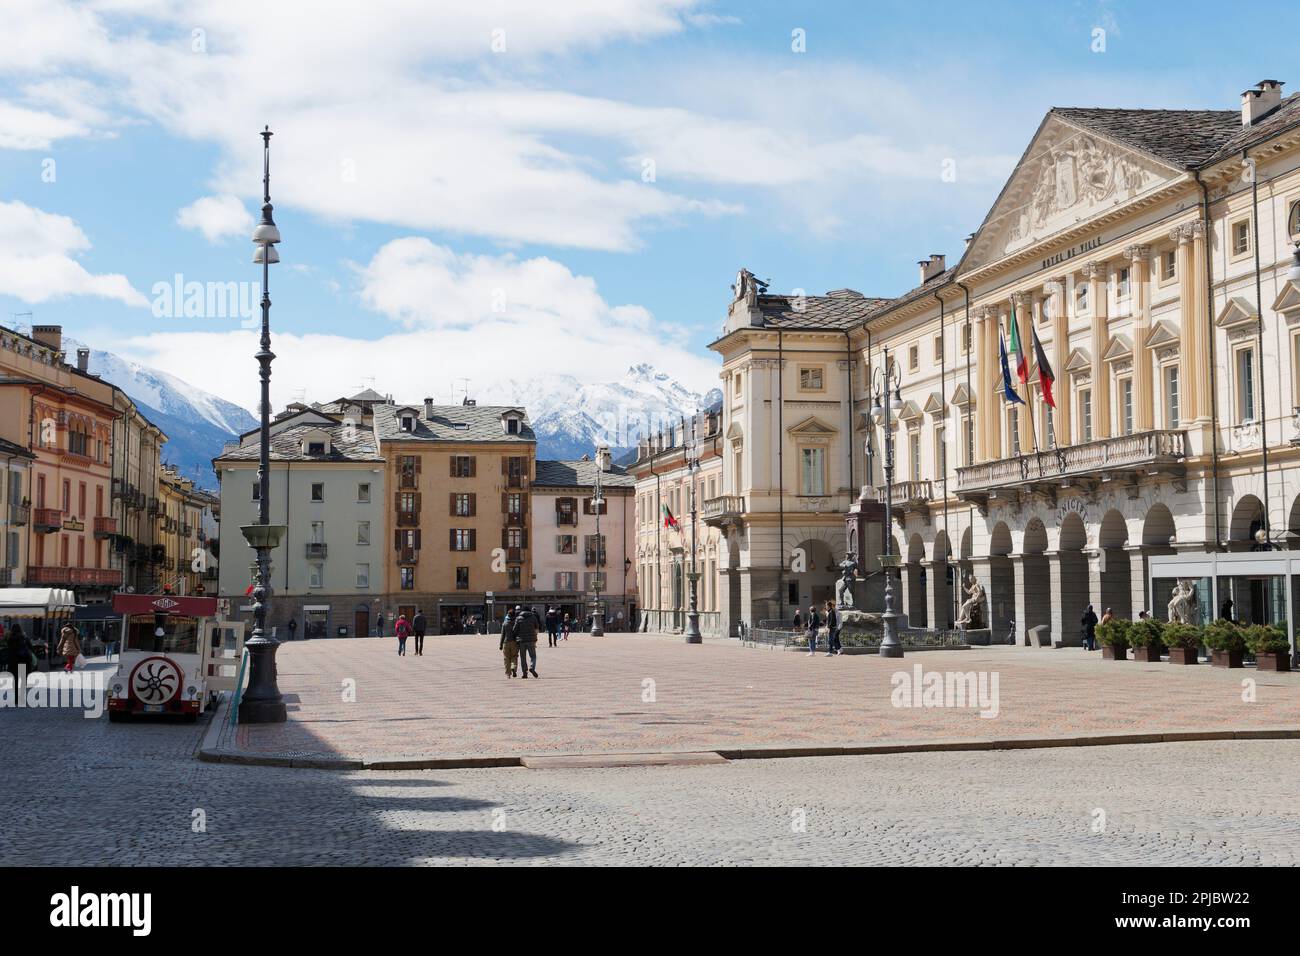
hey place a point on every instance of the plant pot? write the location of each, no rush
(1183, 655)
(1148, 655)
(1231, 658)
(1114, 652)
(1273, 661)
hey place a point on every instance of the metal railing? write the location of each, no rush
(724, 506)
(1126, 451)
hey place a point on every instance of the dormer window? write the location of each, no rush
(315, 448)
(408, 423)
(512, 426)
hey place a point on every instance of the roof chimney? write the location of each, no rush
(931, 267)
(1259, 102)
(50, 335)
(603, 457)
(83, 360)
(428, 408)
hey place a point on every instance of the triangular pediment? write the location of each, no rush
(1078, 361)
(910, 412)
(1288, 300)
(1162, 333)
(961, 396)
(934, 404)
(734, 431)
(1236, 311)
(1067, 176)
(812, 426)
(1120, 347)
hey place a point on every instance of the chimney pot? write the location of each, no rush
(428, 408)
(83, 360)
(1260, 101)
(49, 335)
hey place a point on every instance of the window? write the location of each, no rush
(462, 539)
(514, 469)
(1172, 413)
(462, 466)
(914, 456)
(968, 428)
(315, 575)
(566, 511)
(1081, 296)
(513, 576)
(363, 575)
(407, 503)
(812, 473)
(913, 357)
(965, 337)
(408, 423)
(462, 506)
(566, 544)
(363, 532)
(1049, 426)
(938, 348)
(317, 491)
(940, 452)
(736, 385)
(514, 507)
(1085, 414)
(318, 532)
(315, 448)
(512, 426)
(566, 580)
(810, 379)
(1013, 428)
(1122, 283)
(363, 491)
(1293, 219)
(462, 579)
(407, 578)
(514, 537)
(1168, 265)
(1126, 405)
(593, 547)
(1241, 237)
(1246, 384)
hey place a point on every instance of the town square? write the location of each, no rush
(443, 434)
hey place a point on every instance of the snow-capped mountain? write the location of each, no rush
(570, 418)
(196, 423)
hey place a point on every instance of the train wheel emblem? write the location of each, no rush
(155, 680)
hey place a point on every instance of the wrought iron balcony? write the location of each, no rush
(408, 556)
(85, 577)
(105, 527)
(47, 520)
(19, 515)
(1123, 459)
(317, 549)
(720, 510)
(591, 559)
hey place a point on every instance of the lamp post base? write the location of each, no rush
(262, 703)
(693, 635)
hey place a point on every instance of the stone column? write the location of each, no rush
(1095, 274)
(1139, 258)
(1188, 328)
(991, 400)
(981, 392)
(1022, 610)
(1024, 311)
(1203, 334)
(1060, 355)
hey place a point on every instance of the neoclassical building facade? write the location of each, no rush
(1143, 258)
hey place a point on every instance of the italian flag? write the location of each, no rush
(1018, 357)
(669, 520)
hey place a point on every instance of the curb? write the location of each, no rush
(218, 754)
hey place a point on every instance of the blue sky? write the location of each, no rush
(462, 188)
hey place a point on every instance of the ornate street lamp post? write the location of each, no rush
(597, 505)
(262, 703)
(885, 388)
(691, 449)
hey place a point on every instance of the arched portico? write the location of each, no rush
(1247, 520)
(1069, 571)
(940, 588)
(1113, 585)
(1032, 581)
(914, 583)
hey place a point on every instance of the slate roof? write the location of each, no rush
(346, 444)
(579, 474)
(1184, 138)
(844, 310)
(482, 423)
(1285, 116)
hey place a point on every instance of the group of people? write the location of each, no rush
(827, 617)
(404, 629)
(19, 652)
(1088, 625)
(519, 640)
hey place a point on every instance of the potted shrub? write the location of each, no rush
(1144, 638)
(1183, 641)
(1269, 645)
(1114, 638)
(1226, 643)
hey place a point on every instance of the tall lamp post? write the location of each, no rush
(887, 399)
(262, 703)
(597, 505)
(691, 449)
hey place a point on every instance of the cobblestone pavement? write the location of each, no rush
(594, 693)
(87, 792)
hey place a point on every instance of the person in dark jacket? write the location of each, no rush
(418, 625)
(814, 624)
(552, 626)
(508, 645)
(1088, 625)
(17, 651)
(526, 627)
(832, 630)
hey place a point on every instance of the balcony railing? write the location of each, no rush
(722, 509)
(1150, 452)
(19, 514)
(408, 519)
(47, 520)
(566, 519)
(105, 527)
(85, 577)
(590, 559)
(408, 556)
(317, 549)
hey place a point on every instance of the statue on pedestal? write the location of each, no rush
(969, 615)
(844, 586)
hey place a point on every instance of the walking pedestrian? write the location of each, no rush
(526, 627)
(69, 646)
(814, 622)
(293, 628)
(17, 651)
(566, 626)
(1108, 616)
(832, 630)
(1088, 629)
(403, 630)
(418, 626)
(797, 619)
(552, 627)
(508, 645)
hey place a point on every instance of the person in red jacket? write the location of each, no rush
(403, 631)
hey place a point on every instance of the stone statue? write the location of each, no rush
(1182, 603)
(969, 616)
(844, 586)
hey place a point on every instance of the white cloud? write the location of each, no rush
(491, 319)
(37, 264)
(217, 217)
(22, 128)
